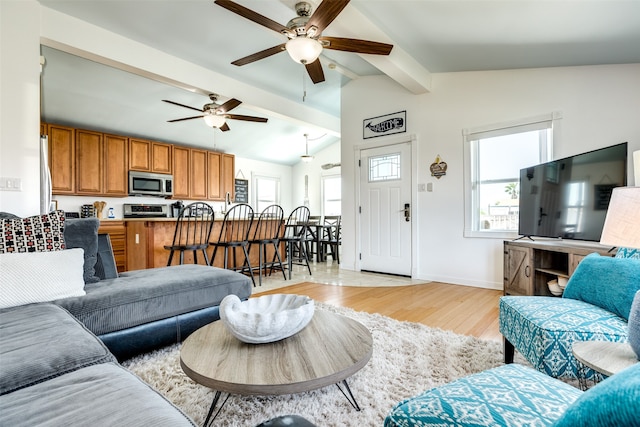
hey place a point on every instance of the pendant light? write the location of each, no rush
(306, 158)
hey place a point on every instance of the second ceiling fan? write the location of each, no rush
(215, 115)
(305, 35)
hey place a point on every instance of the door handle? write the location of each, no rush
(407, 212)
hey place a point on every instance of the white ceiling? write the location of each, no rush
(436, 36)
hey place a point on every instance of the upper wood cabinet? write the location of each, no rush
(228, 174)
(181, 173)
(85, 162)
(62, 159)
(89, 162)
(116, 165)
(214, 182)
(150, 156)
(198, 174)
(101, 164)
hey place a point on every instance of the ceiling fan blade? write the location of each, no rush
(356, 45)
(246, 118)
(325, 14)
(315, 71)
(182, 105)
(260, 55)
(252, 16)
(228, 106)
(186, 118)
(225, 127)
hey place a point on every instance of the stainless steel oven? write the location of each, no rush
(150, 184)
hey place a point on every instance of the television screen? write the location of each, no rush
(568, 198)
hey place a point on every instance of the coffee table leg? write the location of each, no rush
(350, 398)
(216, 398)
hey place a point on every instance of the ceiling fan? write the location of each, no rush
(215, 115)
(305, 35)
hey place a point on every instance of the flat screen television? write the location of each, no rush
(568, 198)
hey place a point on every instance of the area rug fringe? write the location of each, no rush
(408, 358)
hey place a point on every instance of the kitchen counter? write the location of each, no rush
(147, 237)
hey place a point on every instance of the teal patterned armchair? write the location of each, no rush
(516, 395)
(595, 306)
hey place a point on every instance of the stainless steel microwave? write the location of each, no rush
(150, 184)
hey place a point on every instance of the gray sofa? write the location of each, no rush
(55, 372)
(138, 311)
(59, 358)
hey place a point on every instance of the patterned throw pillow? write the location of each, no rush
(40, 233)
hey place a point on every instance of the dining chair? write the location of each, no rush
(329, 243)
(234, 235)
(193, 228)
(267, 232)
(312, 237)
(294, 238)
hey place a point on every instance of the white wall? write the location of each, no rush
(315, 173)
(20, 104)
(600, 106)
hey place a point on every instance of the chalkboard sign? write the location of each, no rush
(242, 191)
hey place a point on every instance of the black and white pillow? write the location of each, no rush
(40, 233)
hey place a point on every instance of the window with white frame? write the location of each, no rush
(266, 191)
(331, 195)
(494, 156)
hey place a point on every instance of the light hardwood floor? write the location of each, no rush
(462, 309)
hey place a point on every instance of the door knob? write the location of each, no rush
(407, 212)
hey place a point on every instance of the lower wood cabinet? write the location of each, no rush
(118, 236)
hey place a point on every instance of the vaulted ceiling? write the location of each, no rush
(429, 36)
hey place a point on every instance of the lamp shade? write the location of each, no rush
(213, 120)
(303, 49)
(622, 224)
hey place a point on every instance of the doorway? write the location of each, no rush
(385, 212)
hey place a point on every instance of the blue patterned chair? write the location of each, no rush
(515, 395)
(595, 306)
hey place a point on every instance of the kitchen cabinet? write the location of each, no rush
(198, 174)
(150, 156)
(62, 159)
(529, 265)
(116, 165)
(228, 175)
(118, 236)
(181, 173)
(214, 169)
(89, 162)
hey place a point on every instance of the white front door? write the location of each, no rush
(385, 217)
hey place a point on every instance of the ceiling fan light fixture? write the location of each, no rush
(306, 158)
(213, 120)
(304, 50)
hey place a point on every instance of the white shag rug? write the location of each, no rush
(408, 358)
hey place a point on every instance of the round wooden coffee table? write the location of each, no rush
(327, 351)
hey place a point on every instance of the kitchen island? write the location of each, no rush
(145, 239)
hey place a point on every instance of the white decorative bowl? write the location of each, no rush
(267, 318)
(554, 288)
(562, 282)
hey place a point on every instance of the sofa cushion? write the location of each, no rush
(510, 395)
(42, 341)
(142, 296)
(40, 276)
(33, 234)
(544, 329)
(98, 395)
(83, 233)
(611, 403)
(608, 282)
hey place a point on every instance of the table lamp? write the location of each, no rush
(622, 229)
